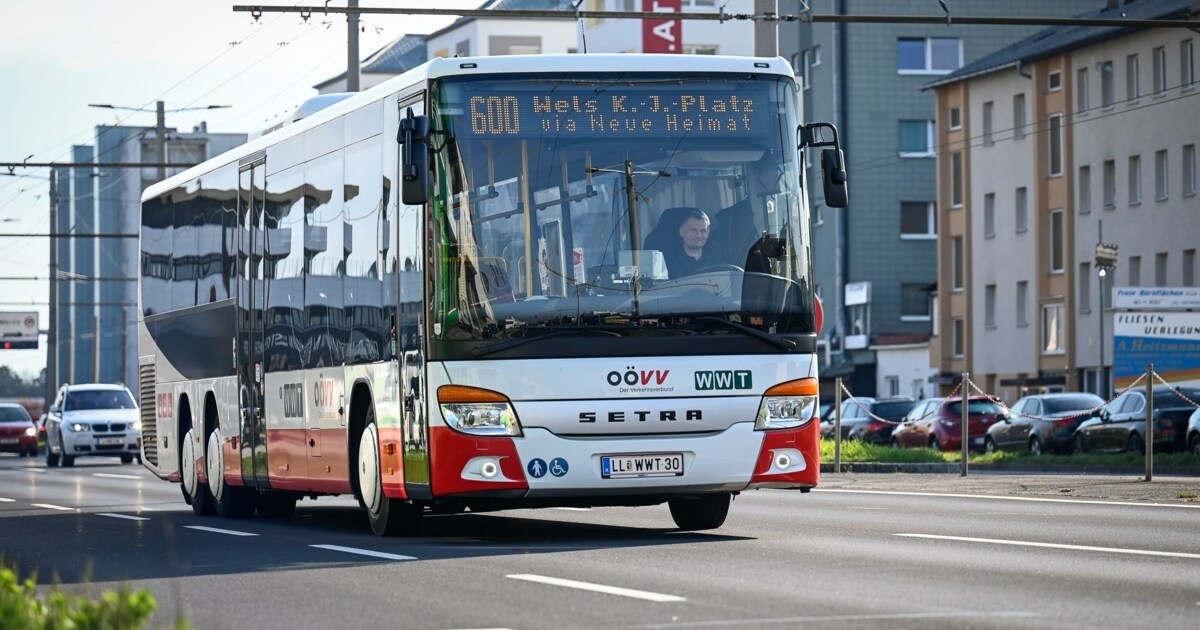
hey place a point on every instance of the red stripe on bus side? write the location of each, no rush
(391, 467)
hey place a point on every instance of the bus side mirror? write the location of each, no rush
(414, 165)
(833, 166)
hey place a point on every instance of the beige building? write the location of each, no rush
(1066, 139)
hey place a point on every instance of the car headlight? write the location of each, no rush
(77, 426)
(478, 411)
(31, 431)
(136, 426)
(788, 405)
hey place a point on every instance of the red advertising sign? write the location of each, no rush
(662, 36)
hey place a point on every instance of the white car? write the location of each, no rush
(93, 419)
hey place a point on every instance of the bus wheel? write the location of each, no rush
(276, 504)
(194, 493)
(230, 501)
(707, 511)
(389, 517)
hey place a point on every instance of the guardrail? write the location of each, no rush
(963, 391)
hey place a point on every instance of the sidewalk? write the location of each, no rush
(1163, 489)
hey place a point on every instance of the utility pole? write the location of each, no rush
(160, 139)
(353, 72)
(52, 375)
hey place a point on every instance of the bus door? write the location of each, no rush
(250, 300)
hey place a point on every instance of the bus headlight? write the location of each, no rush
(477, 411)
(788, 405)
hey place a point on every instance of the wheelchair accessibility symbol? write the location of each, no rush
(536, 468)
(558, 467)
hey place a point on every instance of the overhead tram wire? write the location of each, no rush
(257, 10)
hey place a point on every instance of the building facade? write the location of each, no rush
(1070, 138)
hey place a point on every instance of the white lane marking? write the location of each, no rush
(3, 500)
(54, 507)
(992, 496)
(364, 552)
(124, 516)
(573, 509)
(598, 588)
(116, 476)
(865, 508)
(868, 617)
(219, 531)
(1025, 543)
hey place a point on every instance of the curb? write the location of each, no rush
(954, 467)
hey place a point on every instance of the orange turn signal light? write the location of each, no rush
(465, 394)
(799, 387)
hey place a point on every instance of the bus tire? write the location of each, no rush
(229, 501)
(707, 511)
(280, 505)
(195, 493)
(389, 517)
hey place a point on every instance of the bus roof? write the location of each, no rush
(441, 67)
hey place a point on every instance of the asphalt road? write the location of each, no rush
(880, 552)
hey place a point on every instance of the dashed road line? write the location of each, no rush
(1025, 543)
(49, 506)
(598, 588)
(365, 552)
(124, 516)
(1004, 498)
(116, 476)
(725, 623)
(216, 530)
(3, 500)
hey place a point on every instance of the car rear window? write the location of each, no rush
(973, 407)
(1166, 399)
(99, 399)
(1071, 403)
(14, 414)
(893, 410)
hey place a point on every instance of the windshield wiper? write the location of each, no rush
(775, 340)
(481, 351)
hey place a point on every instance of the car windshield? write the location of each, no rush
(893, 410)
(603, 207)
(1071, 403)
(974, 407)
(98, 399)
(14, 414)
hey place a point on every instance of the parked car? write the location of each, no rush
(1121, 424)
(858, 418)
(1193, 433)
(937, 423)
(17, 433)
(1042, 423)
(92, 419)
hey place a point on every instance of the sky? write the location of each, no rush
(57, 56)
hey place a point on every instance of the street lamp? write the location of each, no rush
(1101, 381)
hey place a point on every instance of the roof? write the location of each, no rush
(94, 386)
(1057, 39)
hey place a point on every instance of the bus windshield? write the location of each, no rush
(601, 206)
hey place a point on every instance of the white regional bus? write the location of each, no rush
(453, 291)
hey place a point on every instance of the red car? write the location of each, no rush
(17, 433)
(937, 423)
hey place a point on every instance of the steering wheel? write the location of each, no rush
(721, 267)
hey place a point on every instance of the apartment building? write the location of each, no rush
(1069, 138)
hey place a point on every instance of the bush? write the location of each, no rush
(22, 609)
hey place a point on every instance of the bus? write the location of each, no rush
(453, 292)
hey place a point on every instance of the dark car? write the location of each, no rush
(1121, 424)
(1042, 423)
(937, 423)
(861, 418)
(17, 433)
(1193, 433)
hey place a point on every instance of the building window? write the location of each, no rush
(514, 45)
(918, 220)
(914, 303)
(1022, 303)
(988, 108)
(1053, 329)
(928, 55)
(1189, 267)
(989, 306)
(1160, 269)
(917, 138)
(892, 385)
(1056, 144)
(1189, 170)
(1110, 184)
(1108, 91)
(1056, 241)
(1135, 180)
(1160, 71)
(463, 48)
(989, 215)
(955, 118)
(959, 341)
(956, 180)
(1135, 271)
(1054, 81)
(1132, 89)
(1084, 282)
(1162, 186)
(1021, 209)
(713, 49)
(1187, 64)
(1081, 90)
(1018, 116)
(1084, 199)
(958, 272)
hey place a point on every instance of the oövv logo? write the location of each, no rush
(632, 379)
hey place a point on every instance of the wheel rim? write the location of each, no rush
(188, 463)
(215, 465)
(368, 468)
(1035, 446)
(989, 446)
